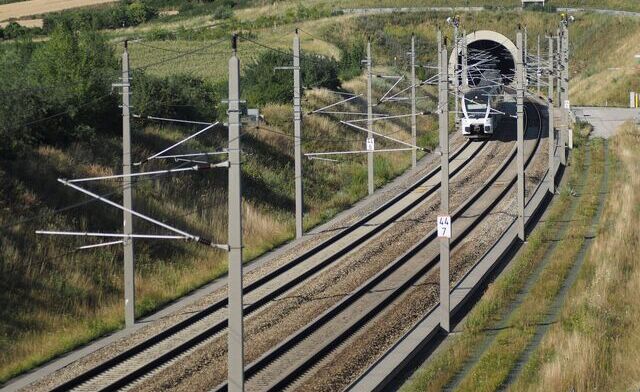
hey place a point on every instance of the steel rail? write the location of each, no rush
(222, 303)
(381, 380)
(309, 362)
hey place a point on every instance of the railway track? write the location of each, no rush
(147, 356)
(280, 368)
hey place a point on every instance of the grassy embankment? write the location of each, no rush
(495, 302)
(56, 299)
(495, 364)
(596, 342)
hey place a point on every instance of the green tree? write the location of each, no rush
(65, 80)
(262, 84)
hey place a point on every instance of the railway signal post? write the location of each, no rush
(414, 126)
(235, 335)
(444, 220)
(552, 141)
(520, 136)
(127, 195)
(370, 173)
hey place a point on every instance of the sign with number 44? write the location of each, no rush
(444, 226)
(371, 144)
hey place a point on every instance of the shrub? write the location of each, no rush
(262, 84)
(179, 96)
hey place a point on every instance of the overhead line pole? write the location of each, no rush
(297, 134)
(524, 59)
(538, 72)
(562, 133)
(465, 64)
(127, 196)
(235, 341)
(456, 66)
(565, 80)
(414, 124)
(520, 134)
(370, 173)
(550, 111)
(443, 106)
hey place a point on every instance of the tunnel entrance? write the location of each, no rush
(487, 49)
(491, 53)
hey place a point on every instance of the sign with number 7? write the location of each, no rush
(444, 226)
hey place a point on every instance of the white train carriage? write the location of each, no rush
(479, 107)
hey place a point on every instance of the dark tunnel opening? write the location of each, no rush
(503, 60)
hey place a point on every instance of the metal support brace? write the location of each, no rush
(443, 104)
(414, 158)
(235, 335)
(552, 141)
(370, 173)
(127, 195)
(520, 135)
(297, 134)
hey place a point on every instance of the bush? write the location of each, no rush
(15, 30)
(64, 80)
(351, 61)
(262, 84)
(181, 96)
(124, 14)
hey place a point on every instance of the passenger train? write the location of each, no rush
(479, 105)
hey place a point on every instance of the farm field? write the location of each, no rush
(38, 7)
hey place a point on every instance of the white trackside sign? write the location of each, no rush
(567, 104)
(444, 226)
(371, 144)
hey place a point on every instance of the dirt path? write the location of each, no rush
(38, 7)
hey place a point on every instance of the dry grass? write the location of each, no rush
(493, 367)
(597, 344)
(39, 7)
(486, 314)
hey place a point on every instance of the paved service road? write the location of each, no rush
(605, 121)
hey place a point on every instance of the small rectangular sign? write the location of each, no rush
(567, 104)
(371, 144)
(444, 226)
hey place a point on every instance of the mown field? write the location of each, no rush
(56, 299)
